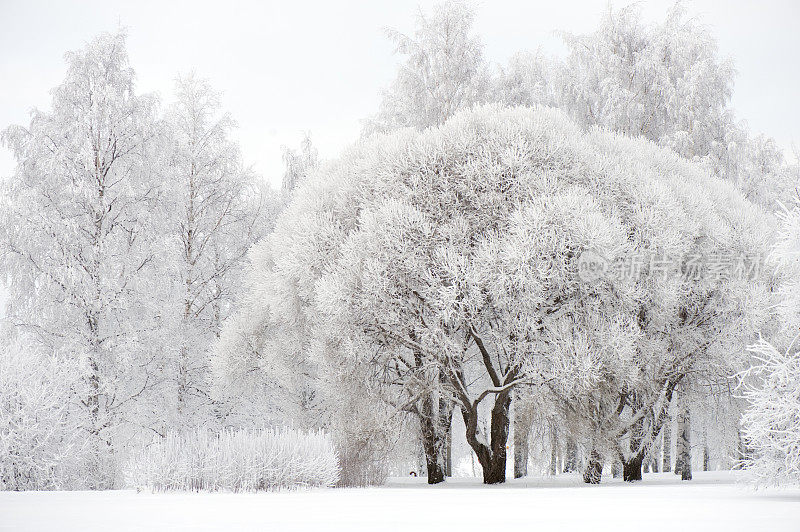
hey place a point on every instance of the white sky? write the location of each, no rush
(291, 66)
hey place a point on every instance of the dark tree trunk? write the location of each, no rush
(448, 452)
(594, 469)
(616, 469)
(492, 457)
(571, 460)
(632, 468)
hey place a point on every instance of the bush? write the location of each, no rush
(235, 460)
(41, 442)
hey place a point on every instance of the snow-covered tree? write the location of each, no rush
(76, 234)
(214, 206)
(443, 73)
(448, 261)
(663, 81)
(298, 165)
(772, 421)
(771, 387)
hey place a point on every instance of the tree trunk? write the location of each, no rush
(522, 429)
(683, 458)
(616, 469)
(666, 446)
(492, 454)
(594, 469)
(446, 435)
(742, 451)
(431, 442)
(448, 451)
(553, 449)
(632, 468)
(571, 460)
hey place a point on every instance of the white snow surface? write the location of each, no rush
(713, 501)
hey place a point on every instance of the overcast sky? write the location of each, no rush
(292, 66)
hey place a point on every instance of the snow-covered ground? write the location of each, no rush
(713, 501)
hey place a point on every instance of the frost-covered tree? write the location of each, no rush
(530, 78)
(444, 71)
(298, 165)
(448, 262)
(771, 423)
(664, 81)
(77, 227)
(214, 206)
(42, 442)
(271, 371)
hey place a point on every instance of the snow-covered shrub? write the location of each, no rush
(772, 421)
(235, 460)
(362, 433)
(41, 443)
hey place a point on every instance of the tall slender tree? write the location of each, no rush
(78, 226)
(215, 216)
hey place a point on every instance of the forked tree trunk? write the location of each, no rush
(742, 451)
(594, 469)
(654, 464)
(616, 469)
(632, 466)
(492, 454)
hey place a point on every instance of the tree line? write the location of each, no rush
(437, 268)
